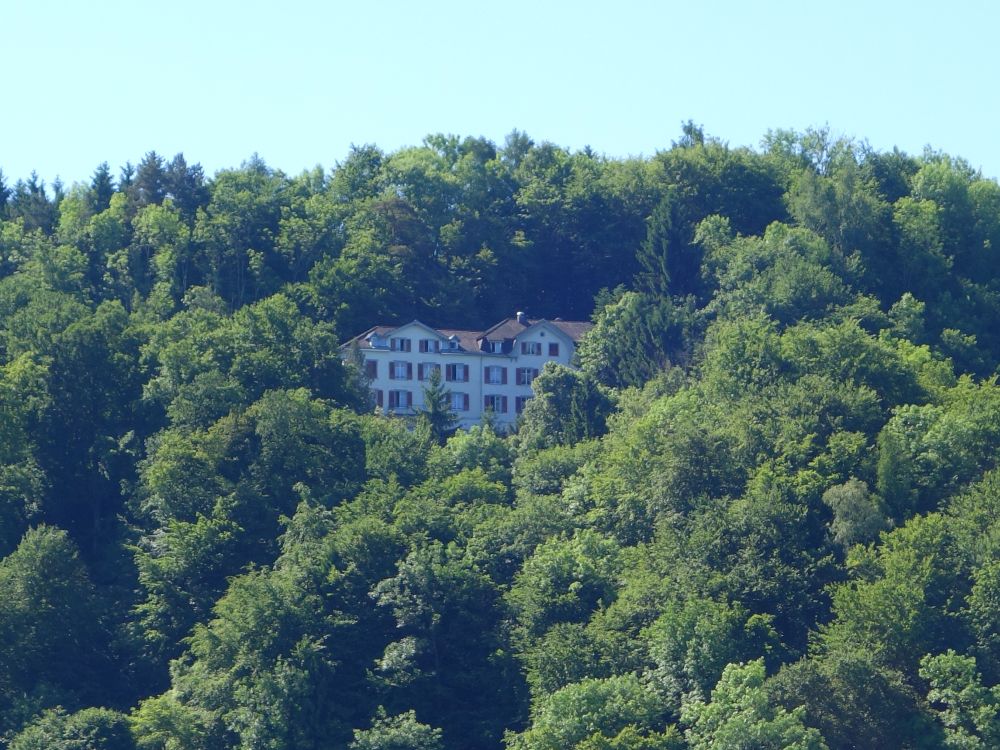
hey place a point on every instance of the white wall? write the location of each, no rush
(476, 389)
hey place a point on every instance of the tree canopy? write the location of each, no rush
(760, 509)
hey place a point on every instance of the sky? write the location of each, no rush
(299, 81)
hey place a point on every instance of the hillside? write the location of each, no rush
(765, 509)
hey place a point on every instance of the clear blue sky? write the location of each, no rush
(299, 81)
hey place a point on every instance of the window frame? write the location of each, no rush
(452, 370)
(525, 375)
(424, 370)
(491, 400)
(495, 371)
(394, 396)
(395, 367)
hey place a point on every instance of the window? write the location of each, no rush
(497, 404)
(456, 373)
(459, 401)
(496, 347)
(495, 375)
(400, 371)
(424, 370)
(378, 399)
(399, 345)
(371, 369)
(553, 349)
(520, 402)
(531, 347)
(429, 345)
(526, 374)
(400, 399)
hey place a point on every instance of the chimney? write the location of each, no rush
(522, 318)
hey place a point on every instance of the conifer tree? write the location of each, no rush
(436, 412)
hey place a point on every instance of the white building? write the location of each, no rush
(490, 369)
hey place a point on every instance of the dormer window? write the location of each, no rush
(496, 347)
(453, 342)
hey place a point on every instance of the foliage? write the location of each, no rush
(88, 729)
(571, 716)
(740, 715)
(401, 732)
(761, 513)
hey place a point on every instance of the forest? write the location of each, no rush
(762, 512)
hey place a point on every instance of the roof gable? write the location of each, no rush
(417, 324)
(547, 325)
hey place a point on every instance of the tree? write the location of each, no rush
(568, 406)
(23, 399)
(656, 256)
(637, 337)
(185, 185)
(4, 195)
(969, 711)
(126, 177)
(85, 433)
(740, 714)
(102, 187)
(235, 233)
(402, 732)
(436, 412)
(903, 607)
(692, 642)
(858, 516)
(88, 729)
(855, 702)
(51, 638)
(30, 202)
(983, 616)
(149, 185)
(461, 677)
(573, 715)
(565, 580)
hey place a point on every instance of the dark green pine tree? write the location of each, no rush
(4, 195)
(654, 253)
(436, 413)
(102, 187)
(186, 185)
(670, 265)
(149, 185)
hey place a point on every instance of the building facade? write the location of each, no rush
(482, 370)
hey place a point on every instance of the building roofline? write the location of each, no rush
(446, 333)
